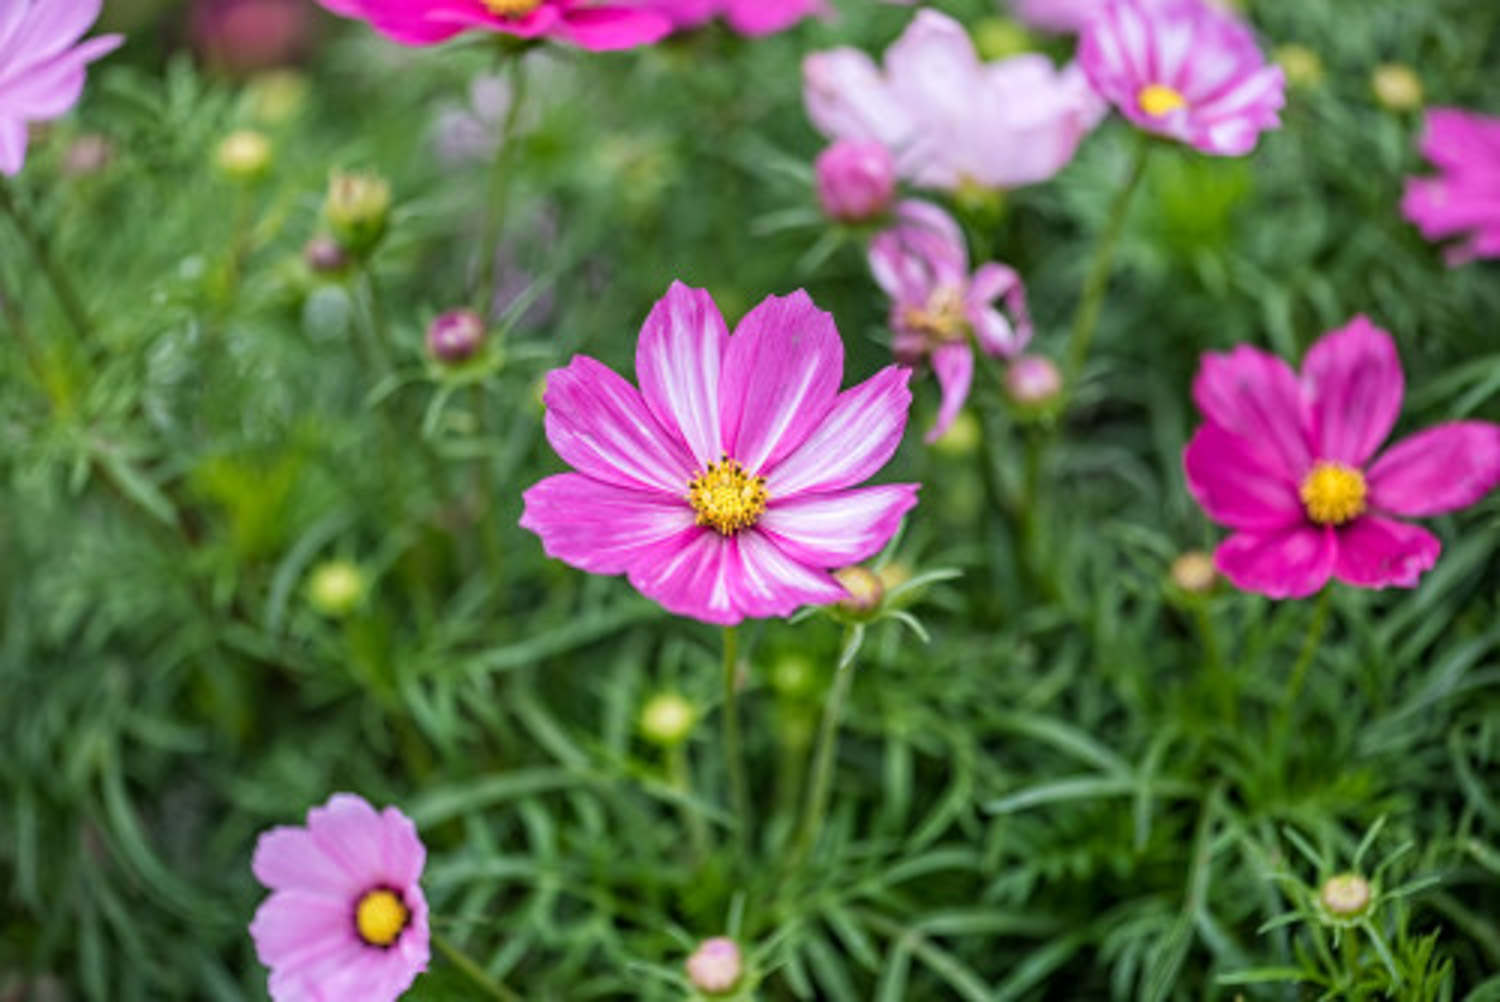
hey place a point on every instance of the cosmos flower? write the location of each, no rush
(922, 263)
(42, 66)
(724, 487)
(1287, 463)
(346, 920)
(1464, 199)
(1183, 69)
(747, 17)
(948, 118)
(579, 22)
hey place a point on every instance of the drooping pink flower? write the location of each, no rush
(922, 263)
(747, 17)
(856, 180)
(1183, 69)
(725, 487)
(582, 23)
(346, 920)
(42, 66)
(948, 118)
(1287, 463)
(1464, 199)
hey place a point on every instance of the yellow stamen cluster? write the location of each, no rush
(380, 917)
(942, 319)
(511, 8)
(727, 498)
(1157, 100)
(1333, 493)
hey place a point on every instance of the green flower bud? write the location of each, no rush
(357, 209)
(667, 719)
(244, 155)
(336, 587)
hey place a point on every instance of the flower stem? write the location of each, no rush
(41, 251)
(471, 968)
(499, 191)
(680, 775)
(1091, 303)
(734, 756)
(828, 736)
(1304, 661)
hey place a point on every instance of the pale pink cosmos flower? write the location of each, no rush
(948, 118)
(1464, 199)
(1184, 69)
(346, 920)
(1287, 463)
(922, 263)
(725, 487)
(42, 66)
(582, 23)
(746, 17)
(1066, 16)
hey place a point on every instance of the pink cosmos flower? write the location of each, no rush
(1183, 69)
(346, 920)
(1286, 462)
(1056, 15)
(747, 17)
(725, 487)
(42, 66)
(922, 263)
(583, 23)
(1465, 198)
(948, 118)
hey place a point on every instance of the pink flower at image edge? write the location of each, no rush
(1286, 462)
(578, 22)
(725, 487)
(1463, 199)
(746, 17)
(42, 66)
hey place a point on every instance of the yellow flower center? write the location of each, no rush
(726, 497)
(1158, 99)
(1333, 493)
(511, 8)
(942, 319)
(380, 917)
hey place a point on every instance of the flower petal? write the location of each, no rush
(600, 426)
(996, 334)
(1256, 396)
(847, 98)
(1294, 563)
(834, 530)
(600, 527)
(693, 580)
(781, 376)
(1377, 552)
(1442, 469)
(857, 438)
(290, 859)
(678, 362)
(953, 365)
(605, 29)
(1235, 483)
(1354, 386)
(294, 929)
(13, 138)
(351, 834)
(766, 581)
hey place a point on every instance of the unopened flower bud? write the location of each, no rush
(1302, 66)
(793, 676)
(667, 719)
(1194, 572)
(1345, 895)
(244, 155)
(276, 96)
(894, 574)
(324, 256)
(1033, 382)
(962, 436)
(856, 180)
(1397, 87)
(715, 967)
(357, 208)
(455, 336)
(90, 153)
(1001, 38)
(336, 587)
(866, 590)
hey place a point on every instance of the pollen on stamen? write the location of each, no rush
(942, 319)
(726, 498)
(1333, 493)
(511, 8)
(1157, 100)
(380, 917)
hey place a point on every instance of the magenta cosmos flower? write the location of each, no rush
(948, 118)
(1286, 462)
(581, 22)
(922, 263)
(1464, 200)
(346, 920)
(42, 66)
(1183, 69)
(747, 17)
(725, 487)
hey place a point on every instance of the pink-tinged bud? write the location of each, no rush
(1194, 572)
(1345, 895)
(715, 967)
(324, 256)
(865, 590)
(856, 180)
(1033, 381)
(455, 336)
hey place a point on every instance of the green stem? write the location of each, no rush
(499, 191)
(380, 333)
(1295, 681)
(828, 736)
(734, 756)
(680, 775)
(1221, 672)
(1091, 303)
(472, 970)
(41, 251)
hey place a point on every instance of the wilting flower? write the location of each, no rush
(856, 180)
(747, 17)
(1184, 69)
(42, 66)
(1286, 462)
(725, 486)
(346, 920)
(948, 118)
(922, 263)
(580, 22)
(1463, 200)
